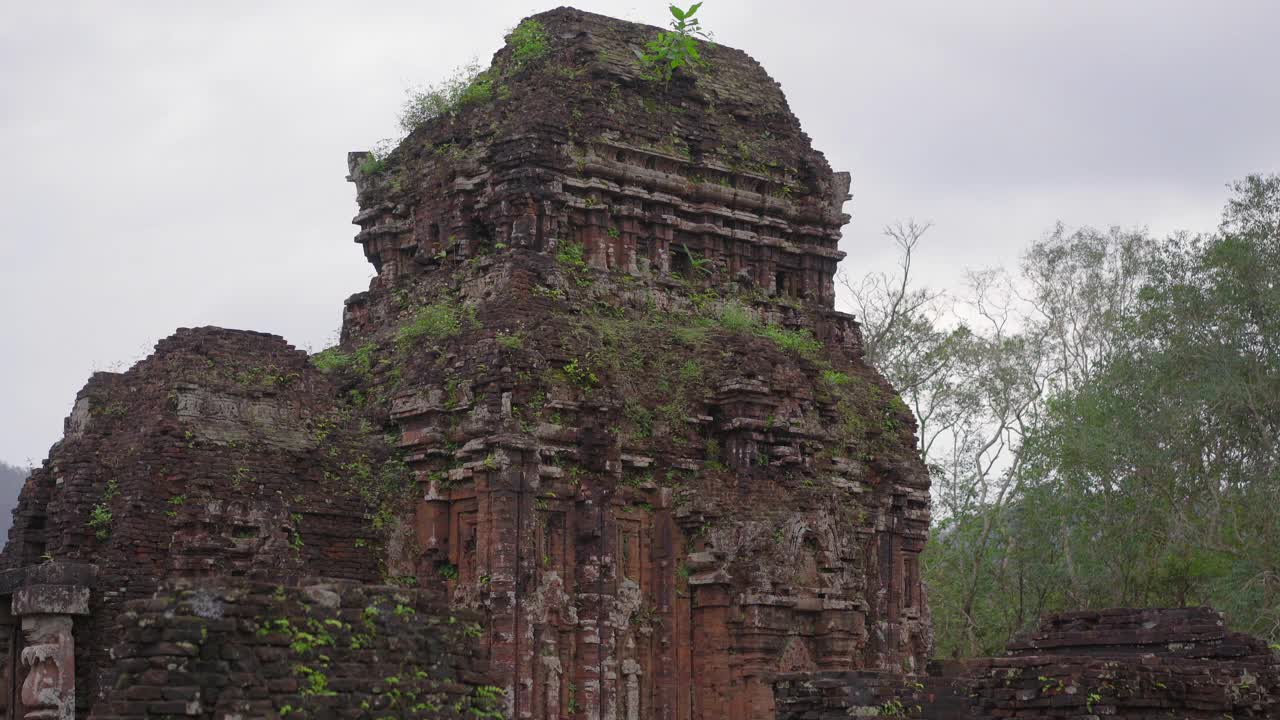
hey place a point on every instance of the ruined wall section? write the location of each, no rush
(231, 649)
(222, 454)
(1127, 663)
(839, 696)
(1143, 664)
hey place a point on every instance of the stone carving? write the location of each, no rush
(225, 418)
(48, 692)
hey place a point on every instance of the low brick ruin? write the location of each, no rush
(595, 444)
(1132, 664)
(244, 649)
(1144, 664)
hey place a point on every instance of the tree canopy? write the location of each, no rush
(1101, 426)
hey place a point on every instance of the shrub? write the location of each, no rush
(580, 375)
(376, 160)
(468, 84)
(480, 89)
(528, 42)
(697, 263)
(572, 255)
(436, 321)
(835, 378)
(331, 359)
(334, 360)
(373, 164)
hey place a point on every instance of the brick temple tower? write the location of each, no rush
(648, 447)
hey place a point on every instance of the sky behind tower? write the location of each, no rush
(182, 164)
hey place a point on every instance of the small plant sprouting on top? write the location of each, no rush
(677, 48)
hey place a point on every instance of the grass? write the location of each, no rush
(657, 361)
(333, 360)
(373, 163)
(734, 317)
(800, 341)
(639, 417)
(435, 322)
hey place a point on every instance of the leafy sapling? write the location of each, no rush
(677, 48)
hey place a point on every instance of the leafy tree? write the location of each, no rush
(978, 371)
(1102, 427)
(1170, 452)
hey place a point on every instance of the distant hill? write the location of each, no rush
(11, 478)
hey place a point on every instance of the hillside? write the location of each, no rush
(11, 477)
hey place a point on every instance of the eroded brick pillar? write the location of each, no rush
(48, 691)
(711, 649)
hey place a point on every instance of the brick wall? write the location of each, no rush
(322, 649)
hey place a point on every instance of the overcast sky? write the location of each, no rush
(179, 163)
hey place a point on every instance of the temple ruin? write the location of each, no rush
(595, 444)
